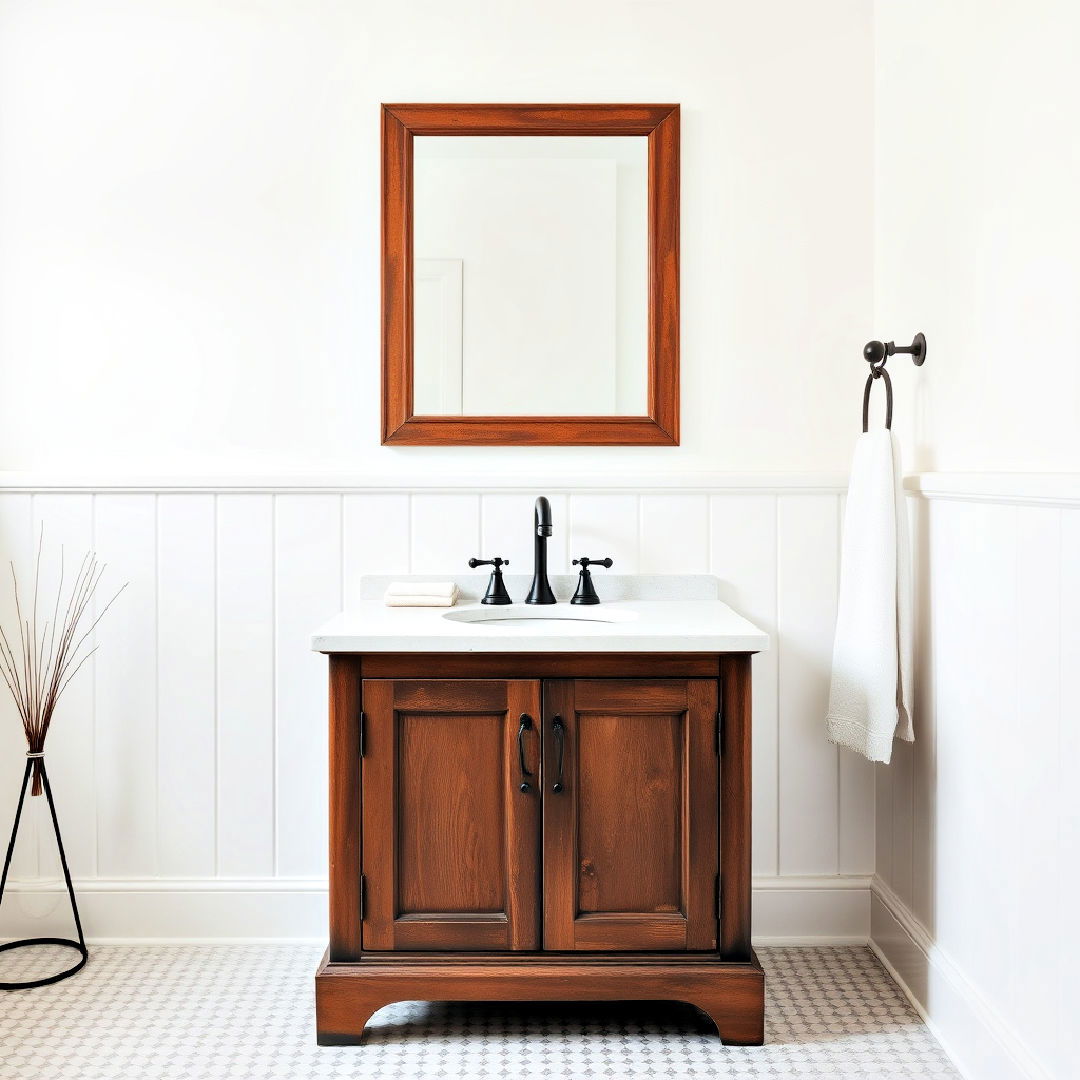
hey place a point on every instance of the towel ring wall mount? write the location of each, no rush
(875, 353)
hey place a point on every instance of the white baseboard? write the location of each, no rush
(180, 910)
(824, 910)
(828, 910)
(980, 1041)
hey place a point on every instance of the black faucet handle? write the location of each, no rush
(586, 591)
(496, 590)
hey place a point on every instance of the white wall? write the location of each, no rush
(977, 243)
(189, 212)
(189, 287)
(976, 234)
(978, 830)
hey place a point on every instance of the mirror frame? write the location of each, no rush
(400, 124)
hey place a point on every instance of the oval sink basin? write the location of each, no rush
(506, 618)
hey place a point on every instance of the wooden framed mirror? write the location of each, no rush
(530, 275)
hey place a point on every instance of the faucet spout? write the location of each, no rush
(542, 516)
(541, 593)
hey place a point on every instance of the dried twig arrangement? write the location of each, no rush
(46, 661)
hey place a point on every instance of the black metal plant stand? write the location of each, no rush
(80, 945)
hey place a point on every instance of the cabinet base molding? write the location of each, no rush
(731, 994)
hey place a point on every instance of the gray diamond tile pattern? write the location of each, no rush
(214, 1012)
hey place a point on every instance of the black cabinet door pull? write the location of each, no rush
(525, 725)
(559, 731)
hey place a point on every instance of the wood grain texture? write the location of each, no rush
(450, 801)
(664, 188)
(345, 836)
(453, 848)
(450, 839)
(594, 118)
(396, 271)
(540, 665)
(630, 843)
(400, 123)
(628, 829)
(732, 995)
(735, 808)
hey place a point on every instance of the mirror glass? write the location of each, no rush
(530, 289)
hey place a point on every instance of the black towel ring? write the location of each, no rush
(876, 353)
(877, 372)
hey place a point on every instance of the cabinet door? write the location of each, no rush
(630, 834)
(450, 841)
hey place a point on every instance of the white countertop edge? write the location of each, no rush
(751, 643)
(653, 626)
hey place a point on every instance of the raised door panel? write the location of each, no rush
(450, 841)
(630, 814)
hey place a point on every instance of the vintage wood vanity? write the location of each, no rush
(549, 807)
(559, 811)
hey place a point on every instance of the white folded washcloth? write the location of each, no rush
(421, 594)
(870, 698)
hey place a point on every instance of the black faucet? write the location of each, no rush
(541, 593)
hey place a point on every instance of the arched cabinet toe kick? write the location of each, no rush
(540, 827)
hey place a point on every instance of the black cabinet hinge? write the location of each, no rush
(719, 899)
(719, 717)
(363, 891)
(363, 725)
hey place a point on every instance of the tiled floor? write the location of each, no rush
(245, 1011)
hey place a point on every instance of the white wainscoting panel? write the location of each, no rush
(978, 838)
(607, 524)
(807, 544)
(125, 690)
(246, 712)
(674, 534)
(190, 756)
(445, 531)
(186, 686)
(375, 531)
(307, 584)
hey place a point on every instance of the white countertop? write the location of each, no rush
(638, 626)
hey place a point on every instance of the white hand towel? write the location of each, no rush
(870, 698)
(421, 594)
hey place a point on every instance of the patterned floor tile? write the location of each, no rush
(190, 1012)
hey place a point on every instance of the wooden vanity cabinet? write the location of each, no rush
(451, 846)
(540, 827)
(629, 845)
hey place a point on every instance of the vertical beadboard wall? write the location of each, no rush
(978, 823)
(189, 757)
